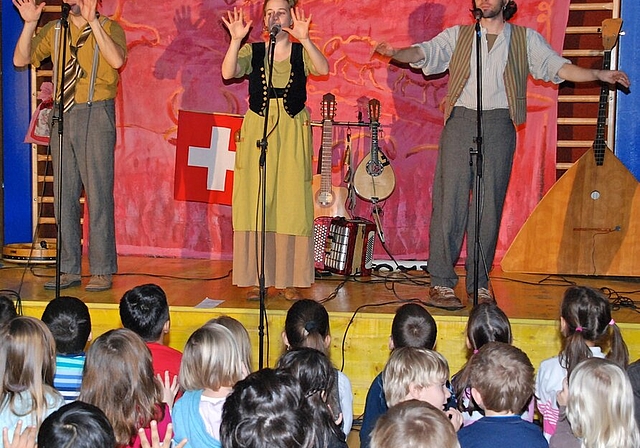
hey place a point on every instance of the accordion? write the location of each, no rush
(348, 245)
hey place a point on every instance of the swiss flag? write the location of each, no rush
(205, 156)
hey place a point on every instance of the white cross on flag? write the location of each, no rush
(205, 156)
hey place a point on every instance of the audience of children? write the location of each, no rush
(307, 325)
(119, 379)
(304, 402)
(316, 376)
(267, 409)
(145, 311)
(599, 408)
(211, 364)
(27, 366)
(586, 326)
(419, 374)
(70, 324)
(414, 424)
(501, 379)
(412, 326)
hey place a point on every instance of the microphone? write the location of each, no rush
(275, 29)
(66, 7)
(477, 13)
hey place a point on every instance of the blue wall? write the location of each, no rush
(628, 116)
(16, 154)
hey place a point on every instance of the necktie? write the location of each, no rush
(72, 70)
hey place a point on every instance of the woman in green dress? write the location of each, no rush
(289, 199)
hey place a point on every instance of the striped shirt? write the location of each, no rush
(544, 63)
(68, 377)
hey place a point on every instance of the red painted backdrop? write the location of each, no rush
(175, 51)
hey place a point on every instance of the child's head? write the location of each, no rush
(414, 424)
(145, 311)
(266, 409)
(118, 378)
(416, 373)
(240, 334)
(413, 326)
(7, 310)
(585, 318)
(487, 323)
(211, 359)
(78, 425)
(501, 378)
(307, 325)
(600, 405)
(27, 363)
(70, 323)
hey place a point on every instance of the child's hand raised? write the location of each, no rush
(155, 437)
(21, 439)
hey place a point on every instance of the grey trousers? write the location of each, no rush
(89, 141)
(454, 193)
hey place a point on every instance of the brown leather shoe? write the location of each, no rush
(484, 296)
(66, 281)
(444, 297)
(253, 293)
(292, 294)
(100, 282)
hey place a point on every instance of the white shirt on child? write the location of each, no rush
(211, 412)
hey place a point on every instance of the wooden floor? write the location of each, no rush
(361, 309)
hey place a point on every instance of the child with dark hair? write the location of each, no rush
(119, 379)
(145, 311)
(586, 326)
(69, 320)
(7, 310)
(316, 376)
(77, 425)
(502, 384)
(267, 409)
(307, 325)
(412, 326)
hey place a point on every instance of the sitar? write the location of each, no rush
(327, 199)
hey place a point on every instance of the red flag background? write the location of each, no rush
(175, 52)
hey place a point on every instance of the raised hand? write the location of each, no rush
(236, 25)
(88, 9)
(300, 28)
(155, 437)
(21, 439)
(29, 11)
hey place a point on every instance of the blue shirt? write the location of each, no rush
(502, 431)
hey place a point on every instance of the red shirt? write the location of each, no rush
(165, 358)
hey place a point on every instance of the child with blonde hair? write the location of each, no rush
(119, 379)
(599, 408)
(414, 424)
(211, 365)
(419, 374)
(240, 334)
(586, 326)
(27, 367)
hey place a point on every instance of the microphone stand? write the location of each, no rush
(478, 155)
(64, 21)
(263, 144)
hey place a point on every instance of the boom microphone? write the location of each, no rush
(477, 13)
(66, 7)
(275, 29)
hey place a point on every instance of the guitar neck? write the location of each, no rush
(374, 141)
(599, 145)
(327, 143)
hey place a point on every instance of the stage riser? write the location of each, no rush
(366, 348)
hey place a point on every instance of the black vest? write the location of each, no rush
(294, 94)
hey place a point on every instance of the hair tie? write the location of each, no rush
(612, 322)
(310, 326)
(579, 329)
(475, 351)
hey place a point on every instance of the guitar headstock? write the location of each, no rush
(374, 110)
(328, 106)
(610, 32)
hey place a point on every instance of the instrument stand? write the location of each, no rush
(478, 153)
(59, 118)
(375, 213)
(263, 145)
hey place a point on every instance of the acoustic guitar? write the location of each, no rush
(327, 199)
(589, 221)
(374, 179)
